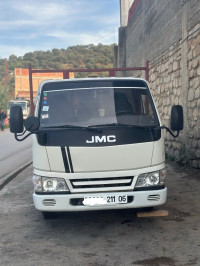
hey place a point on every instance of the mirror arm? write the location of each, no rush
(19, 135)
(171, 133)
(16, 136)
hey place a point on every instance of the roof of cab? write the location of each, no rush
(93, 79)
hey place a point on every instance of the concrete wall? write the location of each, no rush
(167, 33)
(125, 5)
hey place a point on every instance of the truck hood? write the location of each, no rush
(113, 158)
(97, 159)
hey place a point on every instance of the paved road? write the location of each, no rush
(104, 238)
(13, 154)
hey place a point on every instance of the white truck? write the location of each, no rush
(97, 144)
(24, 103)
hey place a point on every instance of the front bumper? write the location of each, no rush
(71, 202)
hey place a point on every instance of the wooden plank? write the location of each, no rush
(158, 213)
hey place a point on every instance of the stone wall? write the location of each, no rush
(193, 98)
(174, 56)
(166, 82)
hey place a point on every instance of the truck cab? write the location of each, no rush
(97, 144)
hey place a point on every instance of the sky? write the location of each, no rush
(41, 25)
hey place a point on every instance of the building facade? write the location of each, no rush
(167, 33)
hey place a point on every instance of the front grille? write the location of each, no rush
(102, 182)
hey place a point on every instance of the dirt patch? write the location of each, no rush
(184, 171)
(156, 262)
(177, 215)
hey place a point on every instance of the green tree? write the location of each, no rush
(80, 56)
(3, 96)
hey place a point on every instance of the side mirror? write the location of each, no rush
(16, 119)
(32, 124)
(176, 118)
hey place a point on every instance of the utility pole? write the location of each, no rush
(6, 71)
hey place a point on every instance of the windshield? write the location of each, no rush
(89, 107)
(22, 104)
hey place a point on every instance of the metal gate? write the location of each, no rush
(66, 74)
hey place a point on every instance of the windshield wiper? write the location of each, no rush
(122, 125)
(66, 126)
(72, 127)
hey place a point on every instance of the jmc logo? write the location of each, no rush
(97, 139)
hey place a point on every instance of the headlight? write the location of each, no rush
(54, 184)
(49, 184)
(37, 183)
(151, 179)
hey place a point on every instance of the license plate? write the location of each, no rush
(111, 199)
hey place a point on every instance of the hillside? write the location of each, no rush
(80, 56)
